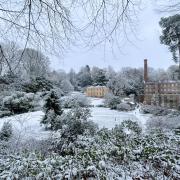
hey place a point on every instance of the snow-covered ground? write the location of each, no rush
(108, 118)
(27, 125)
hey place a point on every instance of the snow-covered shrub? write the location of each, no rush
(155, 110)
(75, 100)
(164, 122)
(38, 84)
(19, 102)
(11, 83)
(121, 153)
(123, 107)
(6, 131)
(76, 122)
(66, 86)
(112, 101)
(5, 113)
(53, 111)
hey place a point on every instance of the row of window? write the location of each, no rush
(163, 85)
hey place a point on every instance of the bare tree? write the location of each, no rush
(170, 6)
(8, 57)
(56, 23)
(34, 64)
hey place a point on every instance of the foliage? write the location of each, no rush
(20, 102)
(121, 153)
(171, 33)
(53, 111)
(84, 77)
(66, 86)
(123, 107)
(112, 101)
(75, 100)
(155, 110)
(6, 131)
(171, 36)
(98, 76)
(37, 85)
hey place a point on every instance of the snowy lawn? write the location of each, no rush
(108, 118)
(27, 125)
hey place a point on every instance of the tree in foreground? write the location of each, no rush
(53, 111)
(171, 36)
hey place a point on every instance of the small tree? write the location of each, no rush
(171, 36)
(53, 110)
(6, 131)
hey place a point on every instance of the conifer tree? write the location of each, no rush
(53, 111)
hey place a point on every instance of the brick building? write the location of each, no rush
(96, 91)
(161, 93)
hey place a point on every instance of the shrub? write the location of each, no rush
(74, 101)
(6, 131)
(76, 123)
(112, 101)
(38, 84)
(53, 111)
(123, 107)
(164, 122)
(19, 102)
(155, 110)
(5, 113)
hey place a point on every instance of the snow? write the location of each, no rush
(108, 118)
(96, 101)
(27, 125)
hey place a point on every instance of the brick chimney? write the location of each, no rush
(145, 70)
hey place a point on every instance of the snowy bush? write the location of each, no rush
(124, 107)
(53, 111)
(155, 110)
(6, 131)
(38, 84)
(75, 100)
(121, 153)
(10, 83)
(5, 113)
(164, 122)
(66, 86)
(74, 123)
(19, 102)
(112, 101)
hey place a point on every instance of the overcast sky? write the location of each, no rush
(146, 45)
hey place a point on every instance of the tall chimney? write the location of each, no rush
(145, 70)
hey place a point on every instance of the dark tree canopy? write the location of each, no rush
(171, 35)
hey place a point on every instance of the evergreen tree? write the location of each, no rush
(171, 36)
(53, 111)
(99, 76)
(84, 76)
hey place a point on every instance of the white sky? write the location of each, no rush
(147, 45)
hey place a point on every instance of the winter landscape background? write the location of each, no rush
(51, 128)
